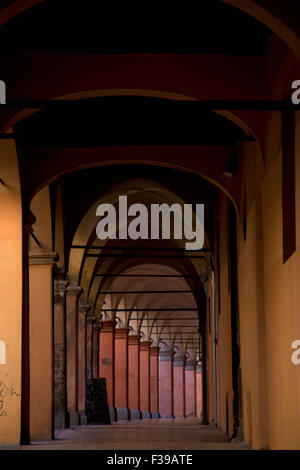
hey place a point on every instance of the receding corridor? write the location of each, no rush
(158, 434)
(150, 226)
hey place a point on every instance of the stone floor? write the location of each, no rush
(155, 434)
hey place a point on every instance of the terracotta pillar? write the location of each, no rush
(41, 346)
(145, 379)
(60, 399)
(121, 373)
(13, 320)
(179, 387)
(89, 346)
(154, 351)
(82, 314)
(190, 388)
(198, 391)
(166, 384)
(134, 377)
(73, 293)
(107, 361)
(96, 332)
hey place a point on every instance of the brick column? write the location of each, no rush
(60, 398)
(145, 379)
(89, 346)
(73, 293)
(199, 391)
(166, 384)
(121, 373)
(190, 388)
(179, 387)
(107, 361)
(154, 351)
(82, 346)
(134, 377)
(96, 332)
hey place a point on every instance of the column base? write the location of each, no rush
(122, 414)
(83, 420)
(134, 415)
(146, 415)
(60, 419)
(167, 416)
(72, 418)
(155, 415)
(112, 413)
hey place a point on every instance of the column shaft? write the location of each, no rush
(179, 387)
(107, 361)
(121, 373)
(145, 379)
(82, 312)
(96, 351)
(60, 398)
(166, 385)
(41, 348)
(190, 388)
(154, 382)
(89, 346)
(73, 292)
(199, 391)
(134, 377)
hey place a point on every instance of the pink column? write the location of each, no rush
(134, 376)
(199, 391)
(89, 346)
(154, 351)
(145, 379)
(96, 333)
(107, 361)
(166, 384)
(121, 373)
(73, 292)
(190, 388)
(179, 386)
(82, 313)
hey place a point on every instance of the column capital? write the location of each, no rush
(190, 365)
(46, 257)
(199, 369)
(74, 289)
(90, 318)
(121, 333)
(178, 361)
(60, 286)
(134, 339)
(97, 325)
(145, 345)
(154, 350)
(108, 326)
(166, 355)
(83, 309)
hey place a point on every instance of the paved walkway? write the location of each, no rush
(153, 434)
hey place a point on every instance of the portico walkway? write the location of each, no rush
(155, 434)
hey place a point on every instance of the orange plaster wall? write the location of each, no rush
(41, 375)
(10, 292)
